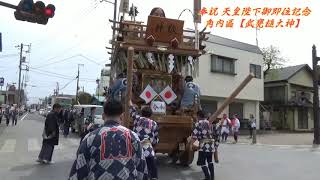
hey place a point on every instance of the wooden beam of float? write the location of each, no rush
(231, 98)
(129, 86)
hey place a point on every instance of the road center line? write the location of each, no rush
(23, 117)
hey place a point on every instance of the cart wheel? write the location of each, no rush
(174, 157)
(186, 157)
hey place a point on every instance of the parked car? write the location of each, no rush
(81, 115)
(41, 112)
(46, 111)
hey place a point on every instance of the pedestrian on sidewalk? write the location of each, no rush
(50, 135)
(110, 152)
(252, 125)
(66, 123)
(60, 119)
(208, 136)
(147, 130)
(7, 114)
(14, 115)
(89, 123)
(1, 114)
(235, 127)
(225, 128)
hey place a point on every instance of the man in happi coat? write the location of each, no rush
(110, 152)
(191, 90)
(147, 130)
(208, 136)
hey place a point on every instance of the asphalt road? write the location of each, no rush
(20, 145)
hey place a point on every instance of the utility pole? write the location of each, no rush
(19, 85)
(315, 60)
(57, 89)
(22, 60)
(78, 77)
(77, 85)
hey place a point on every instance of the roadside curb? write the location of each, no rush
(281, 145)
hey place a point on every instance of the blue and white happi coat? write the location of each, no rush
(110, 152)
(147, 129)
(204, 130)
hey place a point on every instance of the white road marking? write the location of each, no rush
(33, 145)
(24, 117)
(9, 146)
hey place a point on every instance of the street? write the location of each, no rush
(20, 145)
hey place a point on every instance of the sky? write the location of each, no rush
(80, 31)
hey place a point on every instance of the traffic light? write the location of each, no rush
(34, 12)
(133, 11)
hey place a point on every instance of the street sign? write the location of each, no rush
(0, 43)
(1, 81)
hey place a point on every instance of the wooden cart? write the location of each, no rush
(164, 54)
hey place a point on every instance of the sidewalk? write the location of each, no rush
(279, 138)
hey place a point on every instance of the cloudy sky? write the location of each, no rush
(80, 30)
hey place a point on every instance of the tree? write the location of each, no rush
(85, 98)
(272, 59)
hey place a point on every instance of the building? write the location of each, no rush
(104, 82)
(10, 95)
(222, 69)
(288, 97)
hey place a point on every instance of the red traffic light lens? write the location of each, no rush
(48, 12)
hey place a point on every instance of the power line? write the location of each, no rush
(62, 75)
(68, 83)
(55, 62)
(85, 57)
(62, 60)
(51, 72)
(49, 75)
(61, 53)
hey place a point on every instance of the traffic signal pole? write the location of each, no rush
(315, 73)
(4, 4)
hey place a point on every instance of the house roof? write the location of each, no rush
(233, 44)
(283, 74)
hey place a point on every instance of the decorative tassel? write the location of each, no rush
(165, 63)
(143, 60)
(190, 64)
(150, 58)
(159, 62)
(197, 66)
(171, 63)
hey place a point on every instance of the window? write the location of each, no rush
(274, 94)
(222, 64)
(256, 70)
(209, 106)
